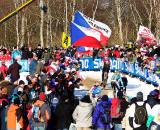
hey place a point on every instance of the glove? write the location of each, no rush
(93, 127)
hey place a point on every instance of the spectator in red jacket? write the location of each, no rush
(3, 69)
(116, 53)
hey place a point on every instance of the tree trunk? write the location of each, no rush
(118, 8)
(41, 24)
(73, 9)
(22, 28)
(134, 17)
(48, 22)
(94, 12)
(66, 14)
(150, 15)
(17, 23)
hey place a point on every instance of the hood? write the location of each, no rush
(104, 103)
(83, 104)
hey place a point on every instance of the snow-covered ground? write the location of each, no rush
(134, 84)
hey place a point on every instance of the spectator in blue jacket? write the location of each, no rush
(101, 115)
(33, 65)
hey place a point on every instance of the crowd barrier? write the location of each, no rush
(90, 64)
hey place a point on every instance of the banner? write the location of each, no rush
(66, 40)
(88, 64)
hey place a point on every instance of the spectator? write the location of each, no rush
(39, 51)
(63, 113)
(139, 113)
(118, 110)
(153, 98)
(154, 118)
(3, 69)
(39, 66)
(41, 114)
(83, 114)
(101, 115)
(3, 113)
(14, 70)
(14, 115)
(33, 65)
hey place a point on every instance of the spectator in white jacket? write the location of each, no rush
(125, 121)
(83, 114)
(139, 113)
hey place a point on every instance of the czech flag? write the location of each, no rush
(90, 29)
(85, 21)
(82, 36)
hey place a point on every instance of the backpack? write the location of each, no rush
(37, 113)
(105, 115)
(140, 114)
(116, 108)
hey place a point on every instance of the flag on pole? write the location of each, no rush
(146, 35)
(66, 40)
(85, 21)
(87, 37)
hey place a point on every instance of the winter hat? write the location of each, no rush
(154, 93)
(139, 96)
(104, 98)
(42, 96)
(86, 99)
(21, 82)
(20, 89)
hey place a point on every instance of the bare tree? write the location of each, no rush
(66, 14)
(119, 14)
(95, 10)
(42, 23)
(17, 23)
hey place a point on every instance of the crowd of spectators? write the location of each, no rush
(47, 100)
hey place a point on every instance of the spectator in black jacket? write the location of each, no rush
(39, 51)
(152, 98)
(63, 113)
